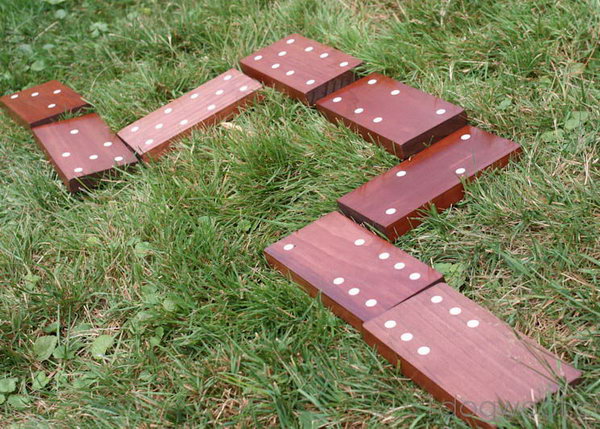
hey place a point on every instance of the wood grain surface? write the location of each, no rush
(465, 356)
(393, 202)
(82, 150)
(402, 119)
(358, 274)
(42, 103)
(301, 68)
(214, 101)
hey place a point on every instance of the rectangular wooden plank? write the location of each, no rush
(402, 119)
(393, 202)
(466, 357)
(82, 150)
(358, 274)
(42, 103)
(214, 101)
(301, 68)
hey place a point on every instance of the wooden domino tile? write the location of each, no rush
(82, 149)
(402, 119)
(464, 356)
(42, 104)
(214, 101)
(301, 68)
(393, 202)
(358, 274)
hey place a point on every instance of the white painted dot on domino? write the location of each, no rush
(390, 324)
(107, 144)
(51, 106)
(12, 97)
(282, 53)
(455, 311)
(308, 48)
(371, 303)
(275, 66)
(424, 350)
(460, 171)
(372, 81)
(243, 88)
(395, 92)
(324, 55)
(436, 299)
(384, 255)
(354, 291)
(258, 58)
(194, 96)
(310, 81)
(168, 110)
(289, 72)
(219, 92)
(35, 94)
(212, 107)
(377, 119)
(74, 131)
(78, 170)
(407, 336)
(135, 129)
(66, 154)
(359, 242)
(401, 173)
(440, 111)
(288, 247)
(338, 280)
(465, 137)
(359, 110)
(158, 126)
(473, 323)
(343, 63)
(149, 141)
(390, 211)
(399, 265)
(92, 157)
(290, 41)
(183, 122)
(414, 276)
(118, 158)
(337, 99)
(227, 77)
(57, 91)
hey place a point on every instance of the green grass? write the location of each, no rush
(168, 258)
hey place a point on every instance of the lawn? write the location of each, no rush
(148, 302)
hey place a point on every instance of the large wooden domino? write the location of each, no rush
(213, 101)
(301, 68)
(464, 356)
(82, 149)
(42, 104)
(402, 119)
(358, 274)
(394, 201)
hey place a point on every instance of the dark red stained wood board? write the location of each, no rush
(358, 274)
(82, 150)
(214, 101)
(465, 356)
(42, 104)
(301, 68)
(402, 119)
(393, 202)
